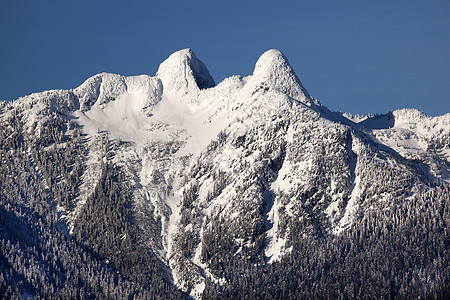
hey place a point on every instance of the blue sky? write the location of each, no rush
(355, 56)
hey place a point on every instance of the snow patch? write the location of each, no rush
(351, 207)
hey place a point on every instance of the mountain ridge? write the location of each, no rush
(204, 182)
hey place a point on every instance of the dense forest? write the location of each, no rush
(400, 253)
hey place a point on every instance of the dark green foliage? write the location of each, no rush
(36, 258)
(398, 253)
(59, 159)
(105, 224)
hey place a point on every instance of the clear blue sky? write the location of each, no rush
(358, 56)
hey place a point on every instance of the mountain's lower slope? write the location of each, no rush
(171, 187)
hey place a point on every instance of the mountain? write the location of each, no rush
(174, 187)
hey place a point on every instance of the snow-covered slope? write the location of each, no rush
(414, 135)
(248, 166)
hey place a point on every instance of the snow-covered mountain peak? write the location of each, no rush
(408, 115)
(183, 71)
(270, 60)
(100, 88)
(272, 70)
(103, 88)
